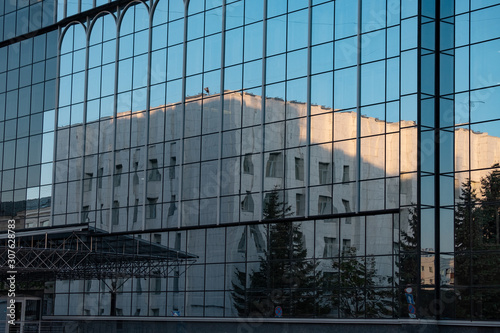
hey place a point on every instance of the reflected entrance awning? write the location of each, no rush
(86, 253)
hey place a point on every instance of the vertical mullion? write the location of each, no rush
(56, 121)
(419, 146)
(437, 166)
(307, 158)
(146, 125)
(84, 122)
(263, 109)
(183, 110)
(115, 107)
(221, 110)
(358, 112)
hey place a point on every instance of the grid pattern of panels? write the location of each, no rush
(27, 90)
(25, 16)
(338, 268)
(470, 158)
(165, 137)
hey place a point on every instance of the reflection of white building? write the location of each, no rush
(141, 188)
(446, 272)
(146, 188)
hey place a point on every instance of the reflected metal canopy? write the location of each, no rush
(88, 253)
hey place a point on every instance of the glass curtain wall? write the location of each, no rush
(28, 73)
(224, 112)
(330, 154)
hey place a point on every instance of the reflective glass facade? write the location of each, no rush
(318, 156)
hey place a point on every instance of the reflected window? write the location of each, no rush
(329, 250)
(88, 286)
(345, 174)
(323, 173)
(136, 210)
(100, 172)
(300, 203)
(324, 205)
(258, 238)
(346, 246)
(242, 244)
(154, 174)
(274, 167)
(101, 219)
(172, 207)
(117, 179)
(85, 214)
(87, 182)
(299, 168)
(247, 204)
(138, 288)
(173, 160)
(115, 213)
(247, 164)
(347, 208)
(152, 208)
(157, 286)
(157, 238)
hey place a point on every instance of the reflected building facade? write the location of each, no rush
(318, 156)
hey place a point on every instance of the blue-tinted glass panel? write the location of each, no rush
(485, 24)
(484, 58)
(476, 4)
(212, 52)
(253, 41)
(297, 30)
(373, 46)
(322, 58)
(346, 52)
(276, 7)
(346, 18)
(344, 88)
(295, 64)
(213, 21)
(373, 83)
(373, 14)
(196, 25)
(322, 90)
(234, 14)
(234, 47)
(322, 24)
(276, 30)
(254, 9)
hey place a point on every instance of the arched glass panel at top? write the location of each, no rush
(135, 18)
(160, 14)
(72, 69)
(104, 29)
(133, 59)
(168, 11)
(101, 68)
(73, 39)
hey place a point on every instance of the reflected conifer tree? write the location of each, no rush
(477, 248)
(358, 284)
(285, 276)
